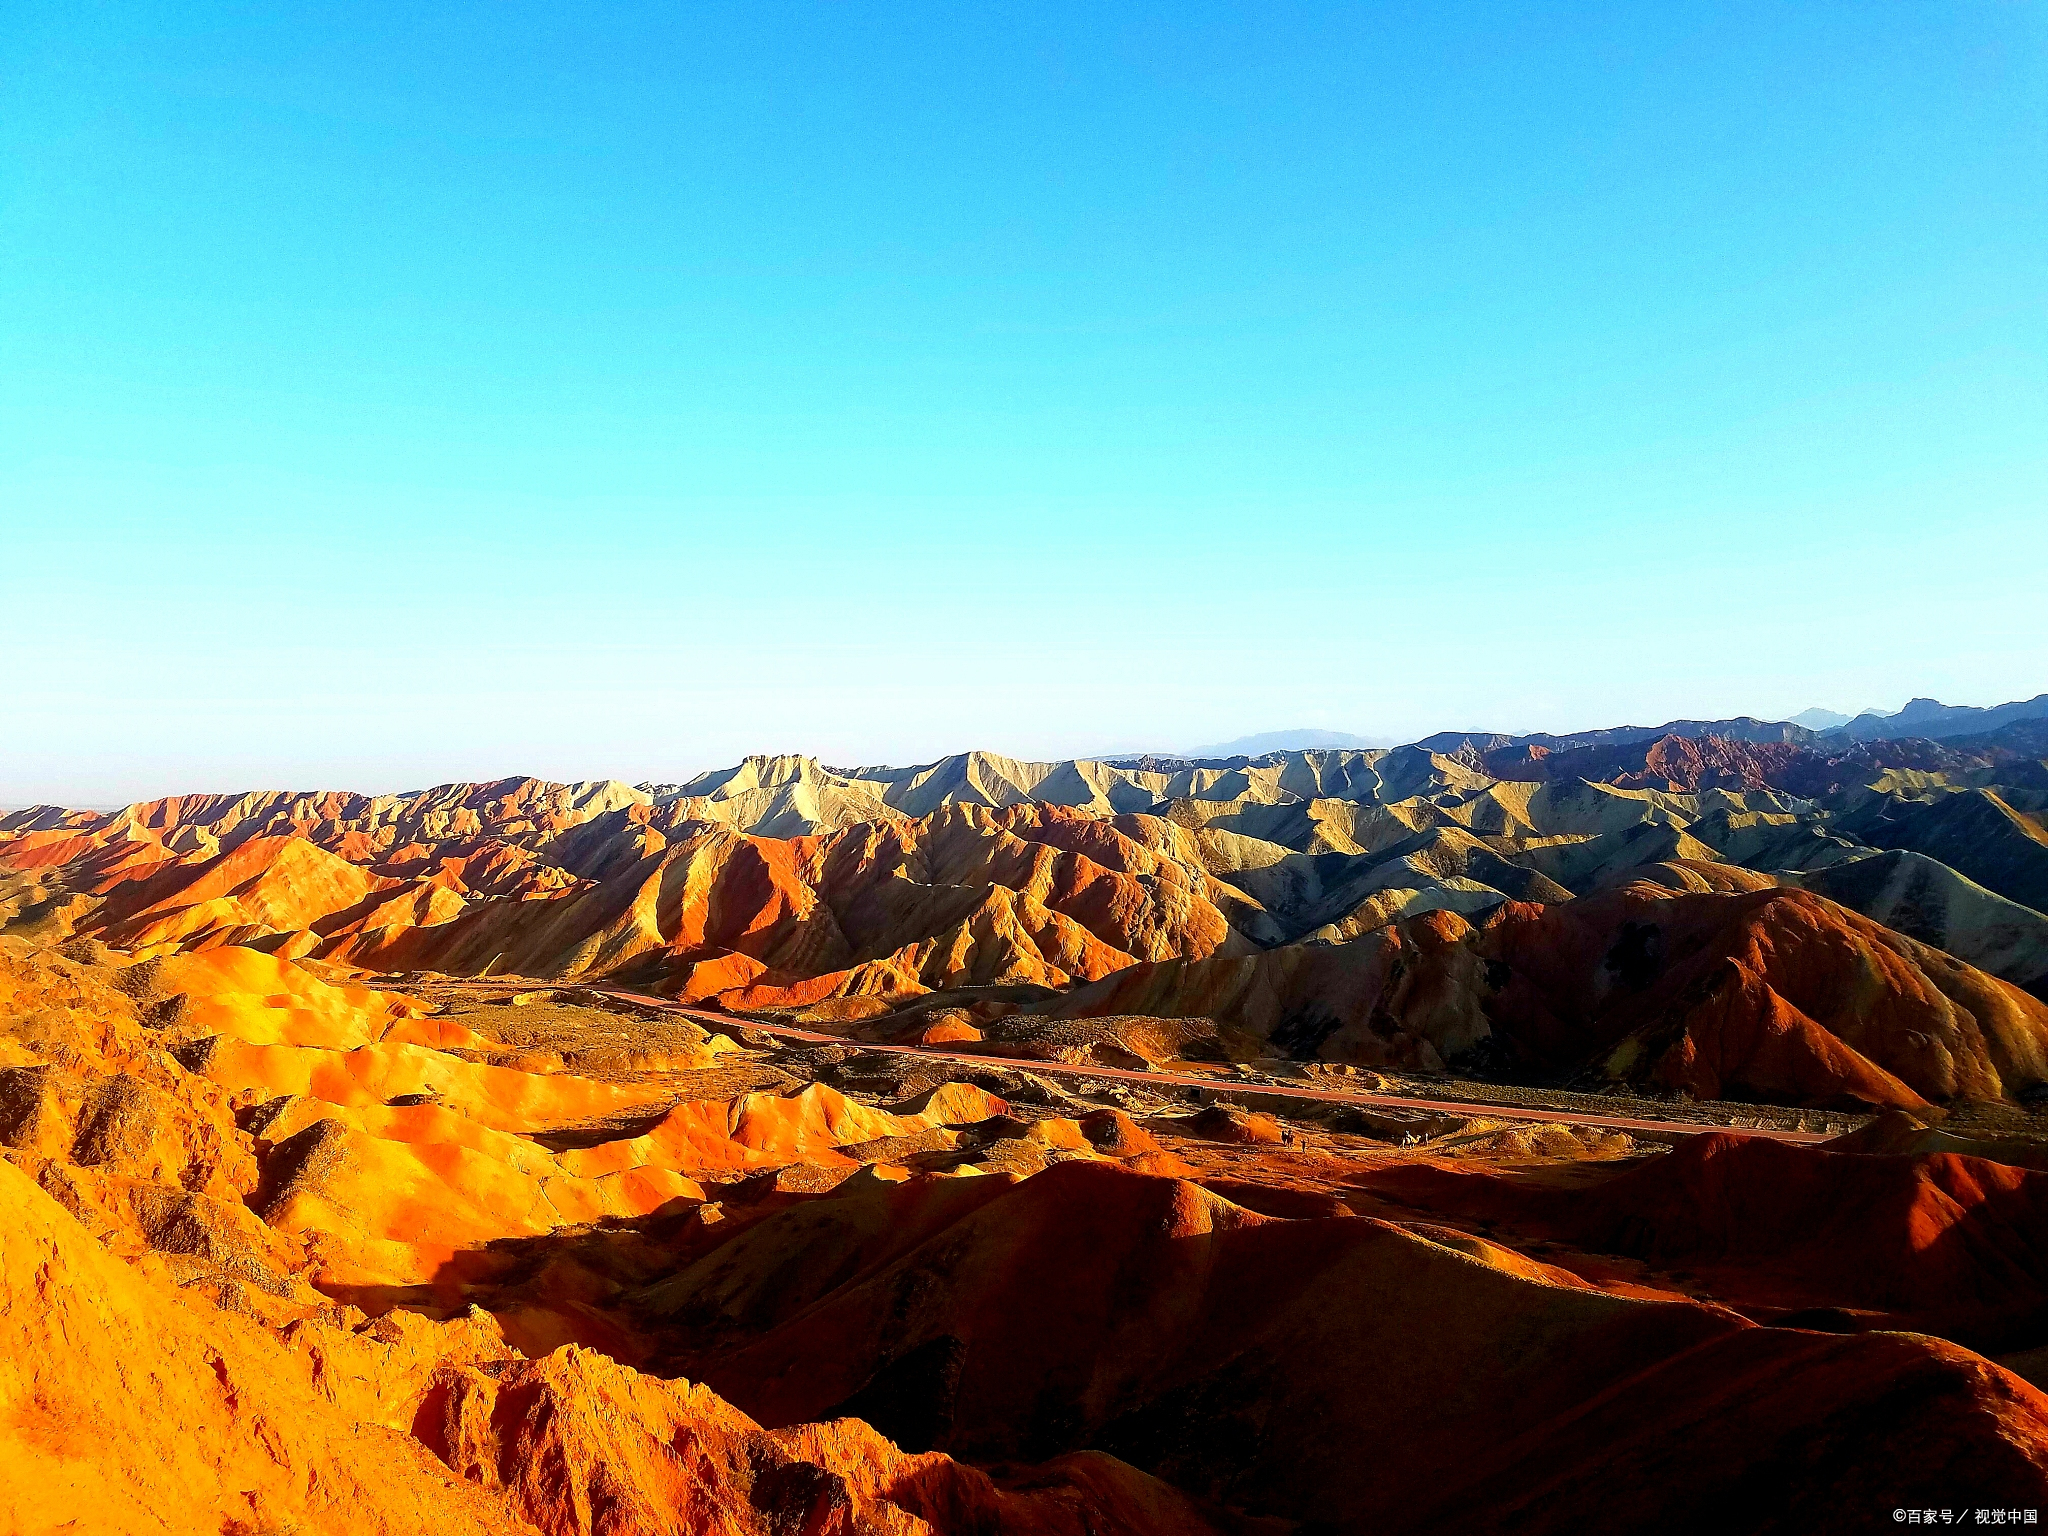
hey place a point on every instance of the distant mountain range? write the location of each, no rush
(1288, 846)
(1933, 720)
(1823, 719)
(1287, 741)
(1925, 719)
(1928, 718)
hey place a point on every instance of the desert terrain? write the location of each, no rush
(1638, 1130)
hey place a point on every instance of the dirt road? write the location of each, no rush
(726, 1021)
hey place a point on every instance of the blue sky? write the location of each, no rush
(397, 394)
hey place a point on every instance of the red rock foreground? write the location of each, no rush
(280, 1252)
(127, 1408)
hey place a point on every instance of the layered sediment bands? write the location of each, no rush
(1995, 838)
(1926, 900)
(843, 893)
(966, 896)
(1773, 994)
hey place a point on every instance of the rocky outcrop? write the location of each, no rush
(582, 1446)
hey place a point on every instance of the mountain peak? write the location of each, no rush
(1818, 719)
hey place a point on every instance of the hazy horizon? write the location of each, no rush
(74, 802)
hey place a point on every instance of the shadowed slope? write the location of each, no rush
(1942, 1244)
(1249, 1359)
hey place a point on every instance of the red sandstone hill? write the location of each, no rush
(965, 896)
(1774, 994)
(1945, 1244)
(165, 1364)
(1032, 893)
(127, 1409)
(1340, 1369)
(630, 1275)
(1694, 762)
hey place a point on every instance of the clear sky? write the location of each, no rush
(393, 394)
